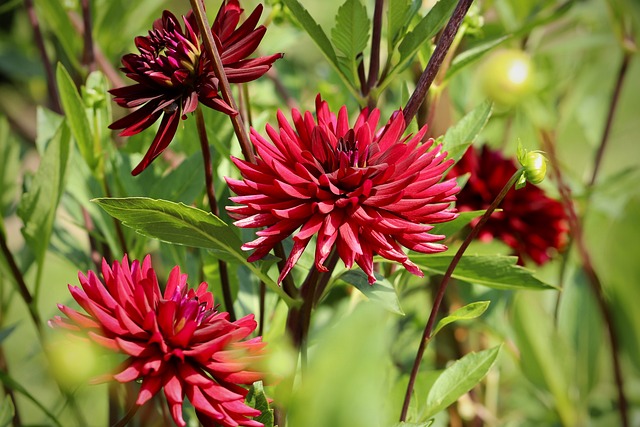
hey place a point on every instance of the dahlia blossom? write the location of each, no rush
(173, 72)
(531, 223)
(360, 190)
(177, 341)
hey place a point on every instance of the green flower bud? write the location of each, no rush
(534, 164)
(506, 76)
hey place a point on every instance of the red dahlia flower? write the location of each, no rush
(361, 190)
(177, 341)
(173, 72)
(531, 223)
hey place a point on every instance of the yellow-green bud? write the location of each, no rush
(534, 164)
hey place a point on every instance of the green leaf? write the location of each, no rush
(74, 110)
(544, 356)
(313, 29)
(382, 291)
(258, 400)
(55, 16)
(9, 164)
(423, 31)
(7, 411)
(183, 225)
(499, 272)
(451, 227)
(48, 123)
(321, 40)
(458, 379)
(351, 32)
(399, 15)
(473, 54)
(459, 137)
(11, 383)
(469, 311)
(425, 424)
(6, 331)
(38, 205)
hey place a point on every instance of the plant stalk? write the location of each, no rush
(426, 336)
(430, 72)
(213, 206)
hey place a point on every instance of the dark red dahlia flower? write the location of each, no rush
(177, 341)
(531, 223)
(360, 190)
(173, 72)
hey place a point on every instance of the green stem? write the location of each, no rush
(426, 336)
(213, 206)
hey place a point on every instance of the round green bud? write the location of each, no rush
(535, 166)
(506, 76)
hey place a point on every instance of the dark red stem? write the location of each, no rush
(376, 35)
(88, 56)
(426, 336)
(430, 72)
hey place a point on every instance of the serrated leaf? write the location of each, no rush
(38, 206)
(258, 400)
(351, 32)
(469, 311)
(449, 228)
(312, 28)
(74, 109)
(399, 15)
(382, 291)
(460, 136)
(184, 225)
(458, 379)
(473, 54)
(496, 271)
(423, 31)
(12, 384)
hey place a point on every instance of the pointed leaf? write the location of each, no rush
(399, 15)
(38, 206)
(473, 54)
(469, 311)
(351, 33)
(459, 137)
(381, 292)
(258, 400)
(423, 31)
(183, 225)
(458, 379)
(74, 109)
(451, 227)
(499, 272)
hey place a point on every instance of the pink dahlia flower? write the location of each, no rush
(531, 223)
(178, 341)
(173, 72)
(361, 190)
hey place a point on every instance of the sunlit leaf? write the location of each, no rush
(184, 225)
(399, 15)
(496, 271)
(460, 136)
(449, 228)
(382, 291)
(467, 312)
(38, 205)
(258, 400)
(458, 379)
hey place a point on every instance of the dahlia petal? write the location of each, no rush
(165, 134)
(150, 386)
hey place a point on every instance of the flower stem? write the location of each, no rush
(227, 95)
(37, 34)
(238, 125)
(88, 55)
(213, 206)
(374, 63)
(426, 336)
(128, 416)
(622, 72)
(577, 234)
(430, 72)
